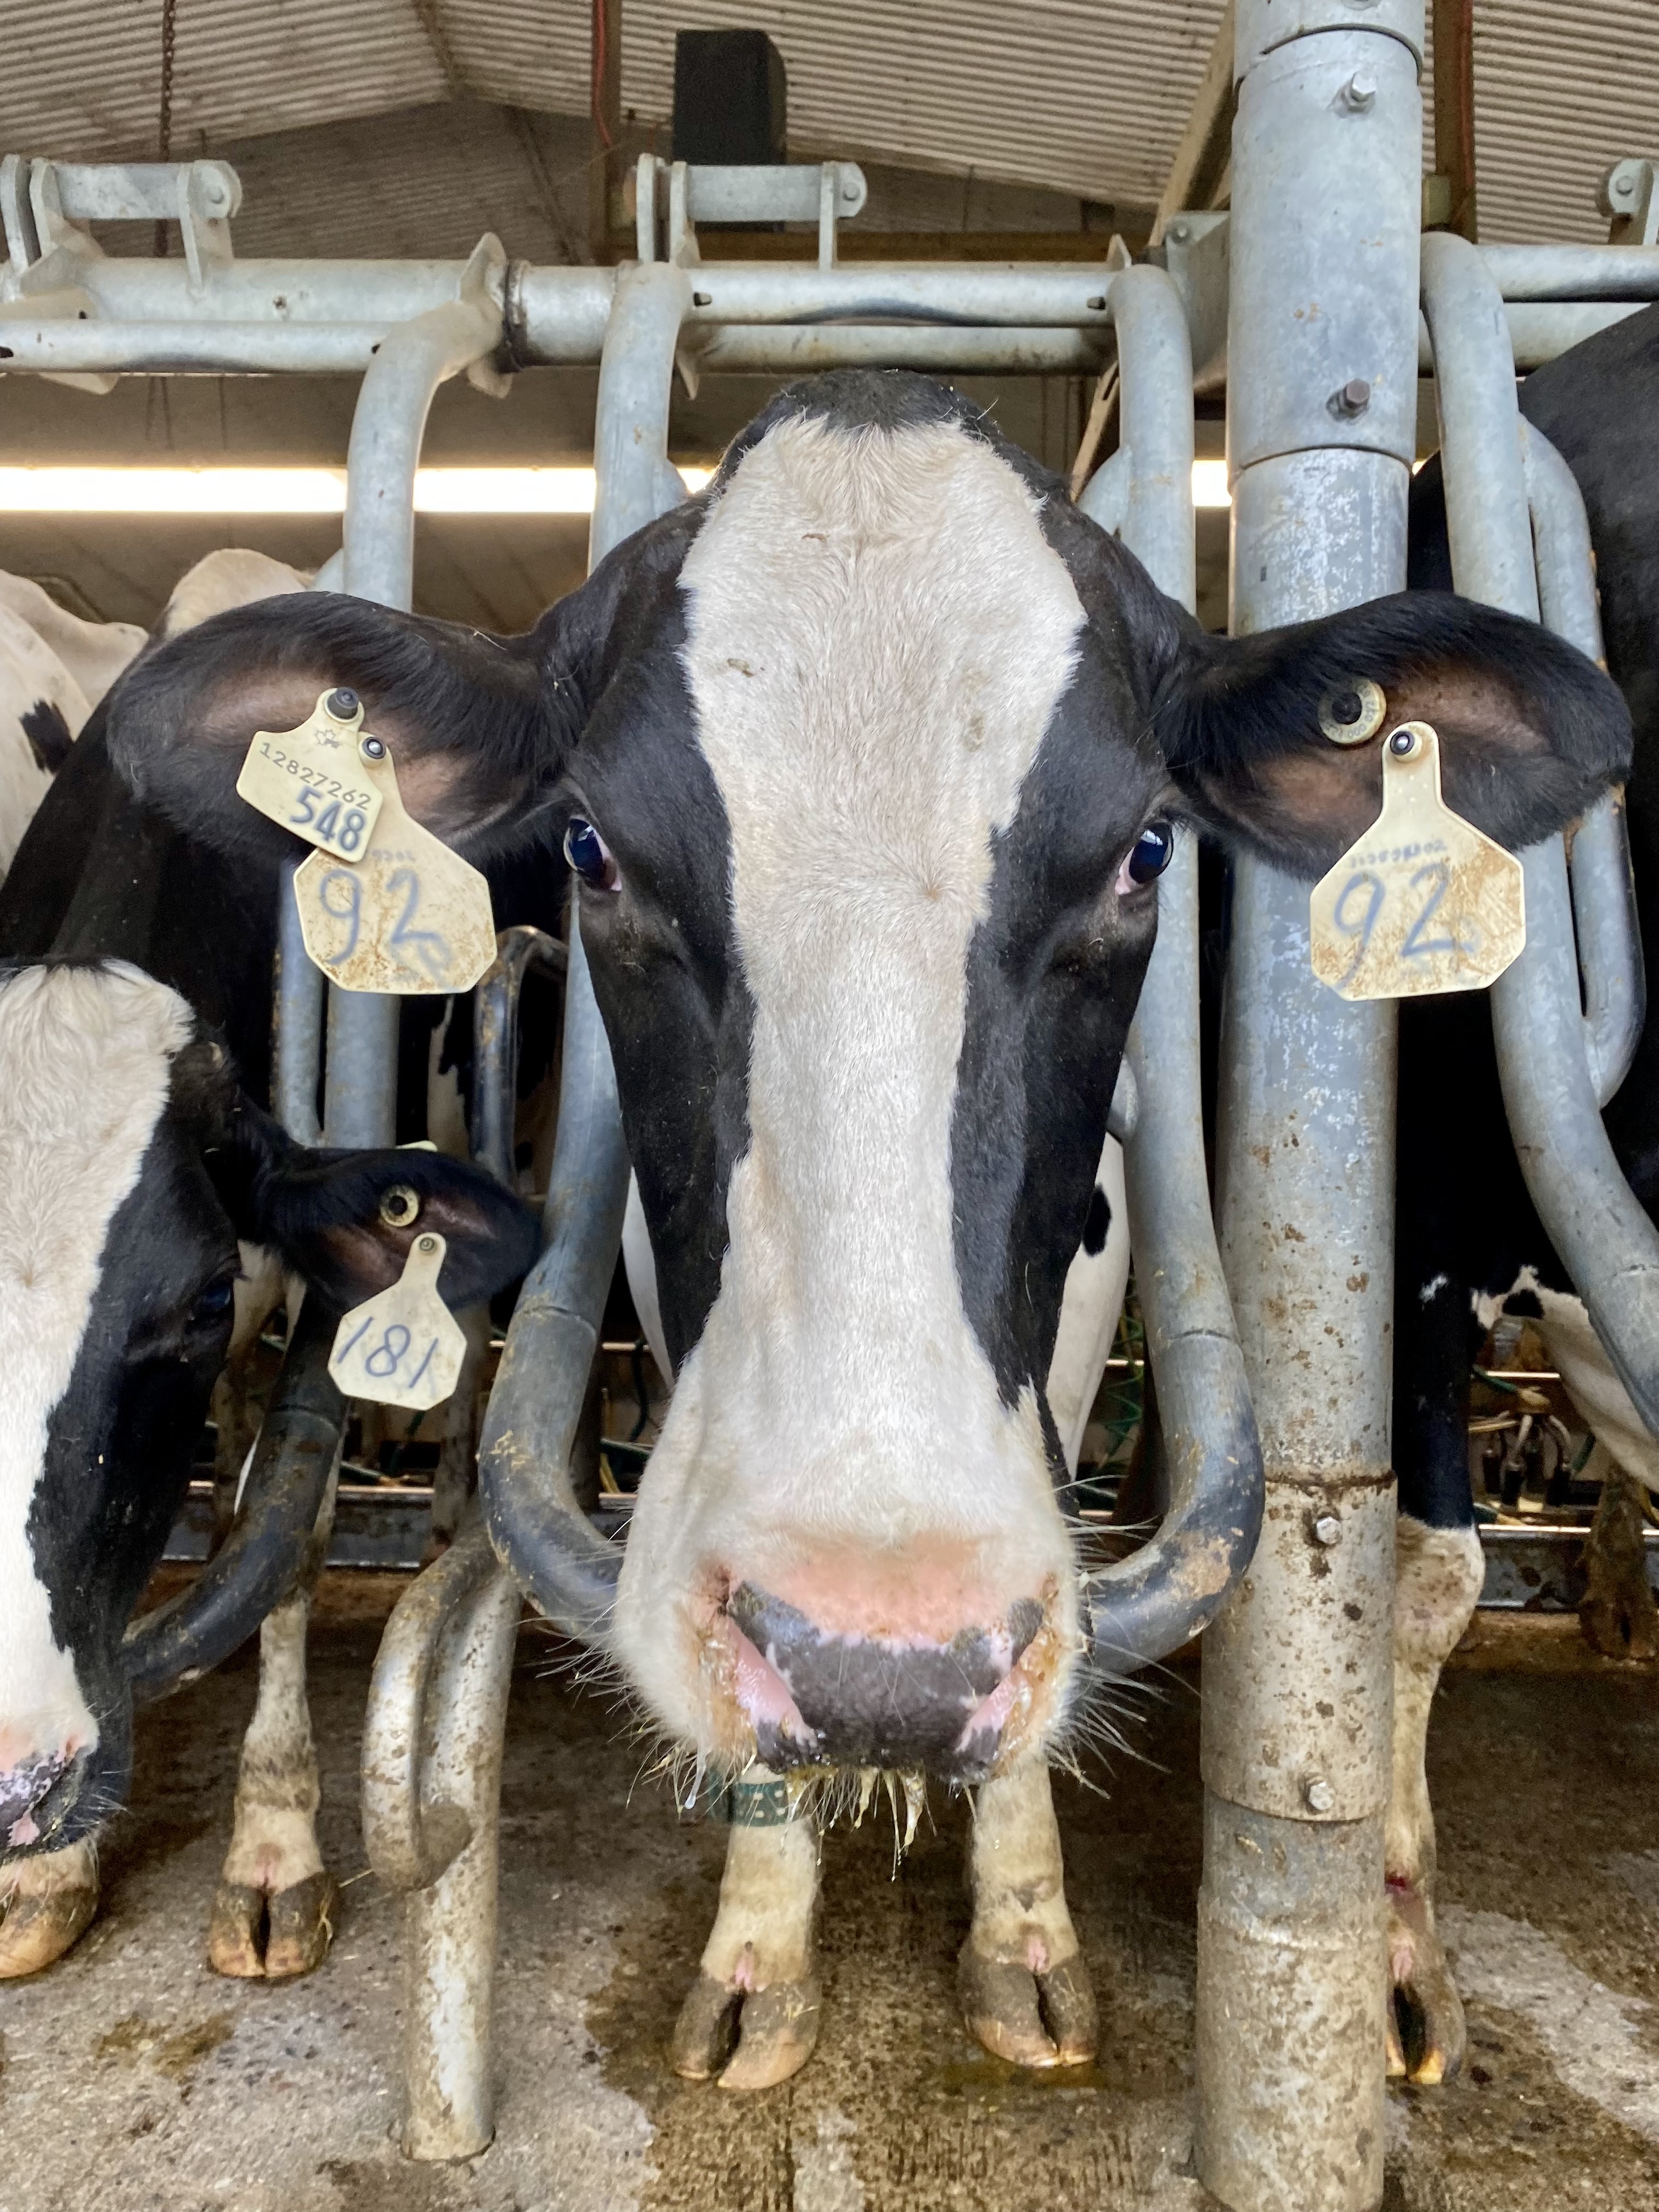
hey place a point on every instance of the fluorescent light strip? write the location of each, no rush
(322, 491)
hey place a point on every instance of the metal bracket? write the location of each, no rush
(1196, 251)
(1627, 195)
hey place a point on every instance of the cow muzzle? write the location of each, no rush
(815, 1697)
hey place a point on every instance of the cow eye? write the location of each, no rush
(1352, 711)
(589, 855)
(1148, 856)
(213, 1304)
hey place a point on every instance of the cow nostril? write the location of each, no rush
(21, 1788)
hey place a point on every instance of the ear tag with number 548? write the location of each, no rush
(1425, 900)
(311, 780)
(404, 1347)
(384, 905)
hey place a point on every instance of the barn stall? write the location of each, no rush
(1126, 298)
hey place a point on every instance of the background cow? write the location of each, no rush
(54, 669)
(866, 760)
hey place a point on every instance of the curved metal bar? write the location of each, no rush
(1153, 1601)
(1599, 864)
(496, 1040)
(297, 1022)
(1608, 1244)
(410, 1837)
(298, 1450)
(535, 1522)
(630, 423)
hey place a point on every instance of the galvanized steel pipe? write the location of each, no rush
(1599, 863)
(1298, 1679)
(1604, 1237)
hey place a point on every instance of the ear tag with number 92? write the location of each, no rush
(311, 780)
(405, 916)
(404, 1347)
(1425, 900)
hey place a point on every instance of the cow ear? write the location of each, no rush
(480, 727)
(345, 1220)
(1276, 738)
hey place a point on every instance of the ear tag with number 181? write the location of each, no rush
(1423, 901)
(404, 1347)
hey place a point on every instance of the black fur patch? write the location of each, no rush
(1096, 1223)
(48, 734)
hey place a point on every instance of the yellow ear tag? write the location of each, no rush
(405, 916)
(311, 780)
(1425, 900)
(404, 1347)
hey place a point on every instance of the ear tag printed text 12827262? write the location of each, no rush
(384, 907)
(1424, 901)
(404, 1347)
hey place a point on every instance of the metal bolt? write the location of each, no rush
(1354, 397)
(1180, 232)
(1318, 1796)
(1328, 1530)
(1359, 96)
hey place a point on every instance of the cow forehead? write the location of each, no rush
(877, 634)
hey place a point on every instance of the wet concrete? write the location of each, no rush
(131, 2078)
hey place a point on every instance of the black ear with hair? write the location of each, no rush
(480, 727)
(1531, 732)
(345, 1220)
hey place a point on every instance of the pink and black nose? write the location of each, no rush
(23, 1790)
(816, 1697)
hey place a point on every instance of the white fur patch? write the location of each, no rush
(878, 635)
(87, 1054)
(1576, 1353)
(229, 578)
(1088, 1310)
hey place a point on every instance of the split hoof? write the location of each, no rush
(1426, 2034)
(255, 1934)
(1029, 2019)
(36, 1929)
(747, 2039)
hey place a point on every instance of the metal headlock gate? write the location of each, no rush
(1326, 158)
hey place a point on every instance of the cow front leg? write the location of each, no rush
(1438, 1574)
(752, 2014)
(1023, 1985)
(273, 1911)
(45, 1902)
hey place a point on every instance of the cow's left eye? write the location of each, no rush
(1148, 856)
(589, 855)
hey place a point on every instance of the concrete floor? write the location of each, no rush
(132, 2079)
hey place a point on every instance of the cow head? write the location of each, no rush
(131, 1167)
(866, 764)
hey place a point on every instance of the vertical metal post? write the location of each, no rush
(1297, 1680)
(360, 1105)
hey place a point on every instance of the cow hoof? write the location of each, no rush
(750, 2040)
(1029, 2019)
(255, 1934)
(1426, 2036)
(36, 1930)
(1617, 1613)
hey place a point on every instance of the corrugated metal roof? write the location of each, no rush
(1083, 97)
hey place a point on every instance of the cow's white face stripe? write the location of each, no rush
(87, 1054)
(878, 635)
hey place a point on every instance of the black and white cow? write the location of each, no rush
(148, 1213)
(866, 761)
(1469, 1240)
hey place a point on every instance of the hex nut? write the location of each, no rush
(1318, 1796)
(1328, 1530)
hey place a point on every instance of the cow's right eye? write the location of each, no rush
(589, 855)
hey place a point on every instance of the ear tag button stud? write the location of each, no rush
(403, 915)
(311, 780)
(1424, 901)
(404, 1347)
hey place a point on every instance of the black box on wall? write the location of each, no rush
(730, 97)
